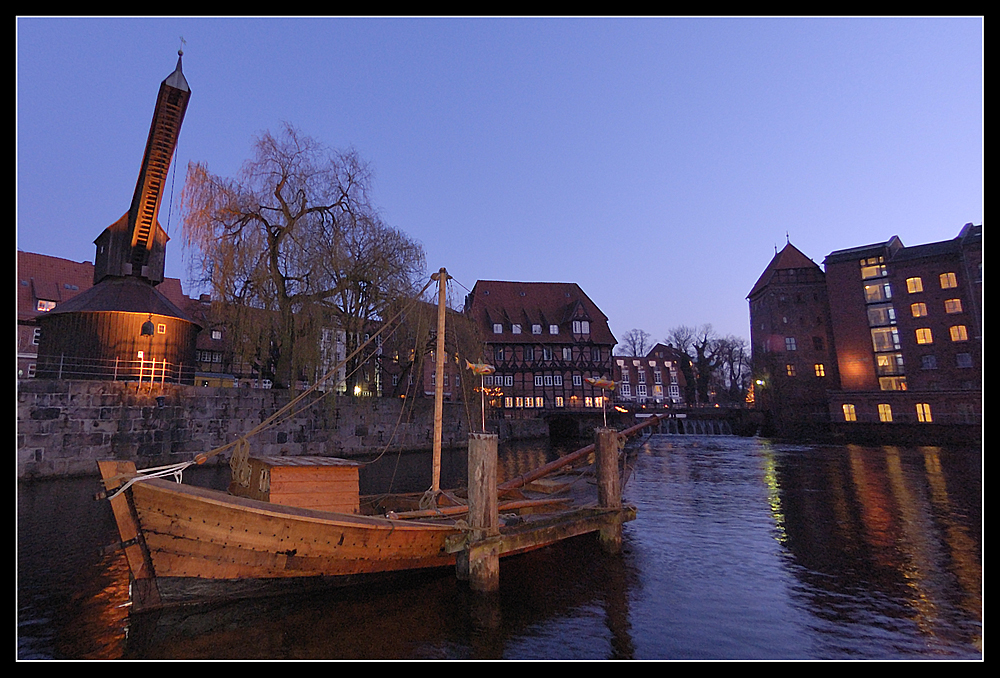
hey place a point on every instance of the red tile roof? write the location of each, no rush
(542, 303)
(788, 258)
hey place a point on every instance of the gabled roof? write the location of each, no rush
(40, 276)
(788, 258)
(542, 303)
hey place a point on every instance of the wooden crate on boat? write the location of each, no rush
(321, 483)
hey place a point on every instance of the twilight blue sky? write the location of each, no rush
(657, 162)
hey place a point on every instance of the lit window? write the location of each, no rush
(790, 370)
(497, 328)
(161, 328)
(948, 281)
(884, 412)
(820, 369)
(508, 402)
(518, 401)
(924, 412)
(849, 413)
(924, 336)
(588, 402)
(529, 402)
(958, 333)
(918, 310)
(880, 292)
(539, 401)
(516, 329)
(559, 401)
(536, 329)
(45, 305)
(914, 285)
(216, 334)
(952, 305)
(885, 338)
(553, 329)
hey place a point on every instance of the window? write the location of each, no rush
(497, 328)
(595, 354)
(36, 335)
(508, 402)
(508, 380)
(553, 329)
(557, 380)
(498, 353)
(515, 329)
(528, 352)
(889, 363)
(958, 333)
(581, 327)
(626, 390)
(849, 413)
(881, 315)
(820, 369)
(588, 402)
(924, 412)
(918, 310)
(529, 402)
(817, 343)
(567, 353)
(577, 380)
(884, 412)
(546, 353)
(879, 292)
(675, 392)
(536, 329)
(657, 377)
(790, 370)
(538, 380)
(642, 376)
(548, 380)
(885, 338)
(948, 281)
(789, 343)
(559, 401)
(914, 285)
(44, 305)
(161, 328)
(539, 401)
(625, 376)
(952, 305)
(924, 336)
(872, 268)
(641, 390)
(963, 360)
(928, 362)
(518, 401)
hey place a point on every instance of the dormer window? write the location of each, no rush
(44, 305)
(516, 329)
(536, 329)
(497, 328)
(581, 327)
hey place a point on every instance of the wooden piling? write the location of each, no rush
(609, 492)
(479, 562)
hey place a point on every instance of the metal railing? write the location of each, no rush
(143, 370)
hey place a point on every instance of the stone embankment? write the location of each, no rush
(64, 427)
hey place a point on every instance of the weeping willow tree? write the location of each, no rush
(291, 246)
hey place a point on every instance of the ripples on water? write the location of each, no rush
(742, 549)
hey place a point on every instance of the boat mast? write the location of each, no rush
(442, 279)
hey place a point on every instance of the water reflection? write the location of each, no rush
(742, 549)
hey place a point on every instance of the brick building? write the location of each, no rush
(884, 333)
(650, 381)
(545, 340)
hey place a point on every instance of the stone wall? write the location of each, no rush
(64, 427)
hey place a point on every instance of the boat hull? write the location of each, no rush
(182, 537)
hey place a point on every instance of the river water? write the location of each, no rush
(743, 549)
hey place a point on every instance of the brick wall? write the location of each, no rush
(64, 427)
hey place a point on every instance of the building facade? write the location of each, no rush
(545, 340)
(883, 333)
(651, 381)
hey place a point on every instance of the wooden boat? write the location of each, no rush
(294, 522)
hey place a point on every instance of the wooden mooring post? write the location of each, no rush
(479, 561)
(609, 489)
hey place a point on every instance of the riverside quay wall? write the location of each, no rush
(64, 427)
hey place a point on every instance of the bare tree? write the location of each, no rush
(291, 245)
(733, 375)
(634, 343)
(702, 347)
